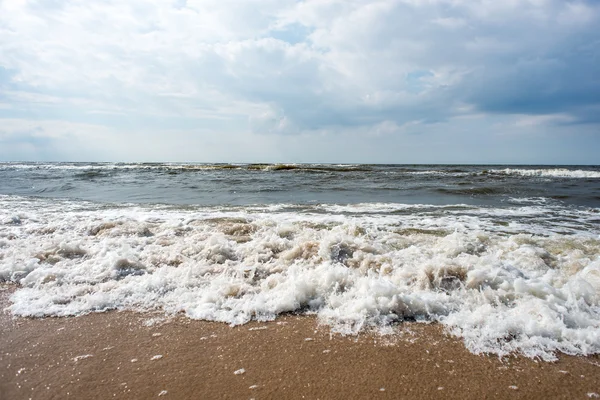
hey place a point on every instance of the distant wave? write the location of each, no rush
(96, 170)
(408, 170)
(550, 173)
(175, 168)
(483, 190)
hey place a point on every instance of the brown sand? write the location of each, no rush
(110, 355)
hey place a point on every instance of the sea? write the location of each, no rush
(505, 257)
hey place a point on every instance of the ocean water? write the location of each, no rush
(505, 257)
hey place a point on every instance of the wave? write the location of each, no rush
(175, 168)
(476, 191)
(92, 174)
(66, 187)
(443, 171)
(499, 278)
(550, 173)
(309, 167)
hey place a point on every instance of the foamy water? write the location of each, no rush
(523, 276)
(549, 172)
(507, 258)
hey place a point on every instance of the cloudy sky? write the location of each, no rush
(391, 81)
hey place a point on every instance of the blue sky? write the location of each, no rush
(390, 81)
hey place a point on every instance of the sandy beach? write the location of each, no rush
(139, 356)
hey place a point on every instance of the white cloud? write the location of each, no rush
(233, 68)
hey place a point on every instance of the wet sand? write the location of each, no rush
(128, 355)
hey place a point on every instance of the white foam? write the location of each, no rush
(550, 172)
(383, 207)
(438, 173)
(519, 286)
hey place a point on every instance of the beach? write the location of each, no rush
(130, 355)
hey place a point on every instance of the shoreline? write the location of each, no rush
(129, 355)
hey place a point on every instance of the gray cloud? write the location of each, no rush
(310, 68)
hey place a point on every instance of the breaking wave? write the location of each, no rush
(524, 279)
(549, 173)
(94, 169)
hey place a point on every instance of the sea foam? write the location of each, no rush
(503, 279)
(549, 172)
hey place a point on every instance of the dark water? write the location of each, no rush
(226, 184)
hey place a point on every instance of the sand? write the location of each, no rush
(127, 355)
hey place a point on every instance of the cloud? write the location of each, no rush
(313, 68)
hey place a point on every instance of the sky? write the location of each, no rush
(388, 81)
